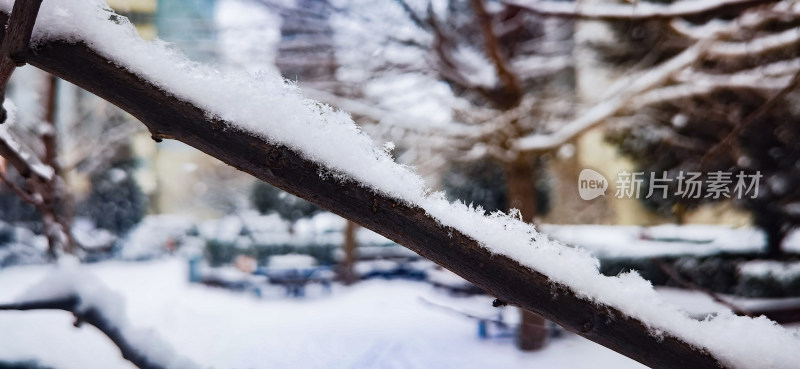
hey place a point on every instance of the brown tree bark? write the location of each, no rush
(521, 192)
(348, 273)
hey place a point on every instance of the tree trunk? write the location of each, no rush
(774, 237)
(521, 192)
(348, 273)
(770, 219)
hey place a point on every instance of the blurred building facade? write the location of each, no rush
(176, 178)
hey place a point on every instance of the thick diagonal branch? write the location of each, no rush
(14, 48)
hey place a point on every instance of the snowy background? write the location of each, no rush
(202, 266)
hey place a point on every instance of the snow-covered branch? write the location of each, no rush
(537, 66)
(748, 19)
(637, 10)
(648, 87)
(265, 128)
(20, 156)
(91, 302)
(620, 95)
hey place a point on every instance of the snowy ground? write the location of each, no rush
(373, 324)
(606, 241)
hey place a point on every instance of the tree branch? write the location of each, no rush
(511, 84)
(622, 92)
(640, 10)
(14, 48)
(94, 317)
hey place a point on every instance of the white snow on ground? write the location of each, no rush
(18, 147)
(663, 240)
(268, 107)
(373, 324)
(775, 269)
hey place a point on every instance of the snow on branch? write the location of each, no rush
(703, 87)
(637, 10)
(18, 154)
(645, 88)
(83, 295)
(537, 66)
(771, 77)
(756, 46)
(263, 126)
(619, 96)
(748, 19)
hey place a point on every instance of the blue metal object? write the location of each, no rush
(194, 268)
(482, 329)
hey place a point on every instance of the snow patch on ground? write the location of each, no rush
(372, 324)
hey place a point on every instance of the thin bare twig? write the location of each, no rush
(637, 11)
(14, 47)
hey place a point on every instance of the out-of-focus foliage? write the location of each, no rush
(116, 202)
(481, 184)
(14, 210)
(268, 199)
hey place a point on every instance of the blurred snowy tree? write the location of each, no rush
(731, 109)
(448, 81)
(268, 199)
